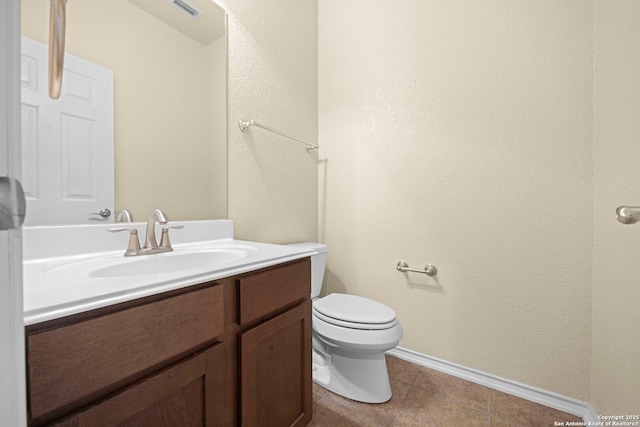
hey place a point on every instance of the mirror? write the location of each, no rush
(169, 103)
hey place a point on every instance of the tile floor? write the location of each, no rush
(424, 397)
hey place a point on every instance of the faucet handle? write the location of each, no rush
(134, 244)
(165, 243)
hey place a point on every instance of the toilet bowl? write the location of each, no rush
(350, 337)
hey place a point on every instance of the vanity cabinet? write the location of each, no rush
(236, 351)
(275, 355)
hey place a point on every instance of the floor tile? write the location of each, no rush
(497, 422)
(402, 370)
(427, 409)
(511, 409)
(332, 410)
(435, 399)
(318, 392)
(453, 388)
(334, 415)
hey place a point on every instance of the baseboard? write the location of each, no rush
(544, 397)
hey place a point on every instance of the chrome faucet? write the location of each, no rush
(150, 242)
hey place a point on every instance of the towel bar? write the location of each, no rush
(244, 125)
(429, 270)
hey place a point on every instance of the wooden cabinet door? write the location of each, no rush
(187, 394)
(276, 387)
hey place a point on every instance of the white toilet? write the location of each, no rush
(350, 337)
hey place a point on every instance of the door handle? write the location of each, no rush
(13, 206)
(628, 214)
(104, 213)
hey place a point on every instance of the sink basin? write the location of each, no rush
(181, 260)
(170, 262)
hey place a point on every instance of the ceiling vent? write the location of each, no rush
(186, 8)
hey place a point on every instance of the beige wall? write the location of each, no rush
(458, 133)
(616, 247)
(273, 51)
(217, 57)
(162, 110)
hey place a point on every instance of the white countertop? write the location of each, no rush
(58, 286)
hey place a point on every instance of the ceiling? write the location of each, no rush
(204, 29)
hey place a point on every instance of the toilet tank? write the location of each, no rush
(318, 262)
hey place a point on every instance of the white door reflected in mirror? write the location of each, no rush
(67, 144)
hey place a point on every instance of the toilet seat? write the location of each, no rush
(354, 325)
(355, 312)
(343, 339)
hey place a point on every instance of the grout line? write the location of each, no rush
(401, 406)
(489, 408)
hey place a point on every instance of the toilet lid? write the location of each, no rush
(355, 309)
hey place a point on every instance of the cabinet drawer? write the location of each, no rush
(273, 289)
(77, 363)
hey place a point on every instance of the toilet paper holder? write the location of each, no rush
(429, 270)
